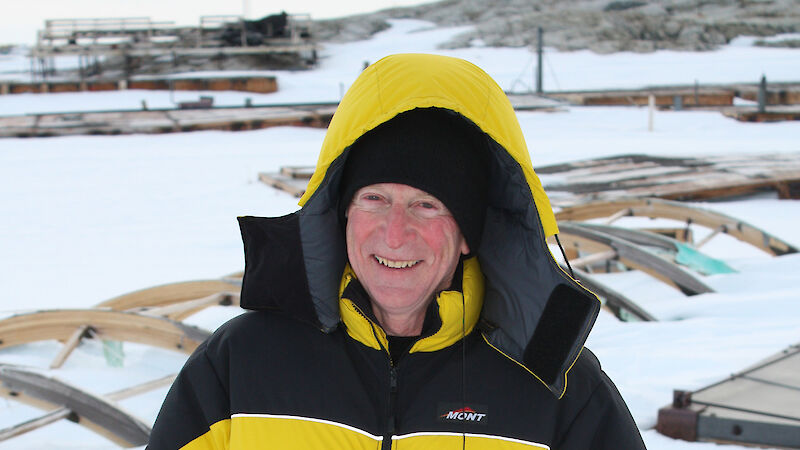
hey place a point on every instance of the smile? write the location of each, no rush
(396, 264)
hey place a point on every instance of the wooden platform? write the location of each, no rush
(164, 121)
(759, 406)
(260, 84)
(770, 113)
(639, 176)
(686, 96)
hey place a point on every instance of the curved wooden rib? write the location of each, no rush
(634, 257)
(658, 208)
(105, 324)
(95, 413)
(680, 253)
(615, 302)
(192, 296)
(64, 413)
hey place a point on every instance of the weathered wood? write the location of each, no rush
(593, 258)
(169, 294)
(637, 258)
(106, 324)
(164, 121)
(34, 424)
(62, 413)
(615, 302)
(69, 346)
(291, 185)
(658, 208)
(667, 247)
(95, 413)
(759, 406)
(182, 310)
(671, 178)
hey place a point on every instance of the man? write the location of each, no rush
(412, 302)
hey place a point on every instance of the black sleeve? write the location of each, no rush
(197, 400)
(604, 423)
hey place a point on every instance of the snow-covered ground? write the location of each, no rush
(83, 219)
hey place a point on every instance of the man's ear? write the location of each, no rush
(464, 246)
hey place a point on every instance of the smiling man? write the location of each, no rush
(412, 302)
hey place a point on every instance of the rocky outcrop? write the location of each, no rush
(599, 25)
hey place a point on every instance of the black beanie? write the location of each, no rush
(435, 150)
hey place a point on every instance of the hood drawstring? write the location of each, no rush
(463, 368)
(566, 260)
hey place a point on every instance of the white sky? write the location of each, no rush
(20, 20)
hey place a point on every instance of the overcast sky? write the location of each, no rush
(20, 19)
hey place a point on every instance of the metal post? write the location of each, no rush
(651, 100)
(762, 94)
(539, 53)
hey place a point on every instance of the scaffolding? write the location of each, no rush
(93, 39)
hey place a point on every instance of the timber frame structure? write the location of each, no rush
(135, 37)
(149, 316)
(666, 209)
(759, 406)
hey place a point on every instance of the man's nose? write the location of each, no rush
(396, 226)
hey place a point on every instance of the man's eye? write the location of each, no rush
(372, 197)
(427, 205)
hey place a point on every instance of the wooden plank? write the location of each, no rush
(62, 413)
(168, 294)
(617, 303)
(95, 413)
(286, 184)
(637, 258)
(69, 346)
(182, 310)
(659, 208)
(758, 406)
(299, 172)
(593, 258)
(106, 324)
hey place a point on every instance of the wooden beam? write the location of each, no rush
(93, 412)
(62, 413)
(636, 258)
(593, 258)
(112, 325)
(69, 346)
(659, 208)
(179, 311)
(169, 294)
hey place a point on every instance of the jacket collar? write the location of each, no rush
(458, 312)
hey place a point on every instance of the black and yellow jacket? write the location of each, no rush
(500, 363)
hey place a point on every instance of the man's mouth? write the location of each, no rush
(396, 264)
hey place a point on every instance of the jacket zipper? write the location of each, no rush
(392, 406)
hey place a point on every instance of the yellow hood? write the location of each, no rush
(531, 310)
(403, 82)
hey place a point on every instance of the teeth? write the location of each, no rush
(395, 264)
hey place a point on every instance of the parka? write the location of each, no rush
(500, 364)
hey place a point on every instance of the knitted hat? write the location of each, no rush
(435, 150)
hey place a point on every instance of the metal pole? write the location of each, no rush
(539, 60)
(762, 94)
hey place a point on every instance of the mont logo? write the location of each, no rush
(458, 412)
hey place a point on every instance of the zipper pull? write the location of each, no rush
(393, 379)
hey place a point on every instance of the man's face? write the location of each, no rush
(403, 245)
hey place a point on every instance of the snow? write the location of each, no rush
(86, 218)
